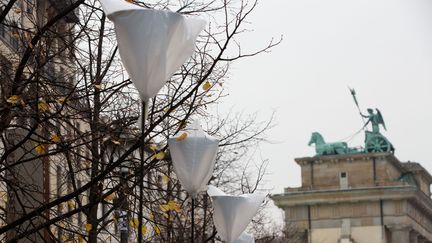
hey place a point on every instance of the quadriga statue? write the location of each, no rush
(323, 148)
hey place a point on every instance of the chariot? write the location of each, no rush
(376, 142)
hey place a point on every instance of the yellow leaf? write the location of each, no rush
(134, 223)
(151, 216)
(153, 148)
(43, 106)
(164, 207)
(206, 86)
(116, 142)
(80, 239)
(182, 124)
(171, 205)
(160, 155)
(174, 206)
(110, 197)
(41, 149)
(55, 138)
(157, 229)
(98, 86)
(165, 179)
(169, 110)
(61, 100)
(144, 230)
(71, 204)
(14, 99)
(88, 227)
(182, 137)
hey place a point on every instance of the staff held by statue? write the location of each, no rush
(353, 93)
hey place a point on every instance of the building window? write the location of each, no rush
(2, 30)
(14, 42)
(30, 5)
(80, 221)
(14, 36)
(343, 180)
(59, 172)
(5, 69)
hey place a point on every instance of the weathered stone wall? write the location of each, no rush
(364, 211)
(327, 173)
(386, 172)
(373, 180)
(327, 235)
(360, 171)
(423, 183)
(368, 234)
(365, 234)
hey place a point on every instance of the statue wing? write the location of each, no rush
(381, 119)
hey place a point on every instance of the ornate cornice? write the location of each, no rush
(315, 197)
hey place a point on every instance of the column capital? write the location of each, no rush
(399, 227)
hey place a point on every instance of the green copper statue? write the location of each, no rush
(375, 142)
(375, 119)
(323, 148)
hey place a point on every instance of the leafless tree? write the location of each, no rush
(69, 163)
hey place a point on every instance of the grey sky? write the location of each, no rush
(382, 48)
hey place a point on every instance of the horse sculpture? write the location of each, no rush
(323, 148)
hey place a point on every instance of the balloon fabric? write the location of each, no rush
(245, 238)
(193, 156)
(232, 214)
(153, 44)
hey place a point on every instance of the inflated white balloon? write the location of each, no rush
(193, 158)
(232, 214)
(153, 44)
(245, 238)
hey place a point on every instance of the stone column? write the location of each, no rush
(421, 239)
(400, 234)
(414, 237)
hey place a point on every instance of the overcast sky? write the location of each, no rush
(382, 48)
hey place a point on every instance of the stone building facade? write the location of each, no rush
(360, 198)
(42, 178)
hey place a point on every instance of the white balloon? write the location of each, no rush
(193, 159)
(245, 238)
(232, 214)
(153, 44)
